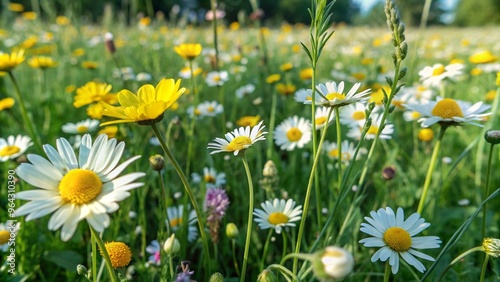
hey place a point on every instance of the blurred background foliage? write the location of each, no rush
(442, 12)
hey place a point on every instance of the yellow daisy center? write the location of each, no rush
(415, 115)
(397, 239)
(197, 112)
(119, 254)
(372, 130)
(320, 120)
(278, 218)
(4, 237)
(9, 150)
(174, 222)
(294, 134)
(239, 143)
(447, 108)
(438, 71)
(80, 186)
(211, 109)
(358, 115)
(334, 153)
(335, 95)
(82, 129)
(346, 156)
(217, 78)
(209, 179)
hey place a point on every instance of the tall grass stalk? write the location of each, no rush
(398, 55)
(190, 193)
(98, 240)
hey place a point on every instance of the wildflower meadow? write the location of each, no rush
(150, 149)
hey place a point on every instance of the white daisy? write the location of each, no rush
(210, 108)
(417, 94)
(293, 132)
(450, 112)
(394, 235)
(211, 177)
(81, 127)
(353, 114)
(176, 219)
(435, 75)
(87, 187)
(216, 78)
(185, 72)
(13, 147)
(303, 95)
(321, 116)
(8, 231)
(238, 140)
(334, 95)
(245, 90)
(356, 131)
(277, 214)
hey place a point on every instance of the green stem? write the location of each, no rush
(94, 259)
(266, 247)
(432, 164)
(236, 267)
(272, 119)
(487, 188)
(213, 4)
(28, 123)
(387, 272)
(171, 267)
(308, 193)
(283, 270)
(105, 254)
(483, 269)
(339, 147)
(189, 191)
(164, 201)
(250, 218)
(461, 256)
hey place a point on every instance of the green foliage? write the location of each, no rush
(477, 13)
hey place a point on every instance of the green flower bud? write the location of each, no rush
(82, 270)
(492, 136)
(172, 245)
(232, 231)
(491, 247)
(267, 276)
(157, 162)
(332, 262)
(216, 277)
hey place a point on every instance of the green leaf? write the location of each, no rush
(65, 259)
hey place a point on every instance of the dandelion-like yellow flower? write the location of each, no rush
(12, 60)
(119, 254)
(6, 103)
(42, 62)
(90, 65)
(273, 78)
(188, 51)
(15, 7)
(90, 93)
(148, 106)
(483, 57)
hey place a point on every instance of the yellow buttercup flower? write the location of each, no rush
(483, 57)
(6, 103)
(16, 7)
(42, 62)
(188, 51)
(12, 60)
(62, 20)
(148, 106)
(273, 78)
(90, 65)
(30, 16)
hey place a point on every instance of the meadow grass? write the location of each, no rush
(354, 54)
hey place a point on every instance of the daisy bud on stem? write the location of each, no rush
(332, 262)
(157, 162)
